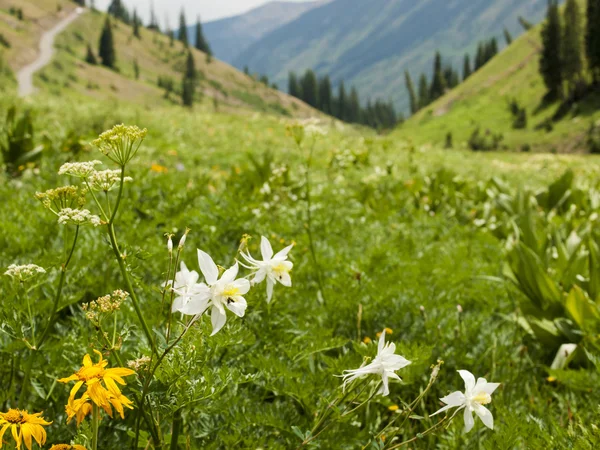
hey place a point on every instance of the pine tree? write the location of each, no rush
(201, 43)
(493, 48)
(438, 84)
(353, 107)
(423, 91)
(414, 103)
(90, 58)
(189, 81)
(309, 89)
(136, 69)
(507, 37)
(153, 25)
(550, 60)
(136, 25)
(480, 57)
(572, 46)
(467, 67)
(592, 38)
(325, 95)
(183, 36)
(106, 50)
(119, 11)
(342, 102)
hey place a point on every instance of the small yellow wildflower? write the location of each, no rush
(67, 447)
(393, 408)
(23, 427)
(387, 331)
(367, 340)
(101, 386)
(158, 168)
(121, 143)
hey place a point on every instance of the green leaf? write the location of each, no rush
(581, 309)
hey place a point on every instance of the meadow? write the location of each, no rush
(417, 240)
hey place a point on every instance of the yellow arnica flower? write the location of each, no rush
(23, 427)
(67, 447)
(101, 386)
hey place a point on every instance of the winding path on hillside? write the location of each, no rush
(25, 75)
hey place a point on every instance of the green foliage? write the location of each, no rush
(90, 57)
(17, 144)
(593, 138)
(200, 42)
(467, 67)
(519, 115)
(572, 46)
(485, 141)
(592, 37)
(414, 103)
(438, 82)
(182, 33)
(4, 42)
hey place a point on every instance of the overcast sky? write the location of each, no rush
(208, 9)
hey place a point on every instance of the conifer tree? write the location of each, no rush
(90, 58)
(325, 95)
(309, 89)
(342, 112)
(550, 60)
(119, 11)
(592, 38)
(292, 83)
(572, 45)
(438, 83)
(507, 37)
(467, 67)
(201, 43)
(493, 48)
(183, 36)
(153, 25)
(106, 50)
(189, 81)
(353, 107)
(414, 103)
(136, 25)
(480, 57)
(423, 91)
(136, 69)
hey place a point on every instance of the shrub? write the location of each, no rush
(593, 138)
(485, 141)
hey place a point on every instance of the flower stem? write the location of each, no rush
(177, 421)
(95, 425)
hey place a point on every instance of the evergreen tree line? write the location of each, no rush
(446, 77)
(570, 56)
(318, 93)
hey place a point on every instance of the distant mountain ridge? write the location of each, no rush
(229, 37)
(370, 44)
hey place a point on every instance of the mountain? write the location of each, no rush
(370, 44)
(484, 102)
(231, 36)
(219, 85)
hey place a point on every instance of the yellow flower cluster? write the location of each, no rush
(23, 427)
(121, 143)
(62, 198)
(104, 305)
(102, 389)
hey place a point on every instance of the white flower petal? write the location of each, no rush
(196, 305)
(217, 319)
(270, 284)
(469, 421)
(242, 285)
(381, 344)
(469, 379)
(208, 267)
(230, 274)
(454, 399)
(265, 248)
(238, 307)
(283, 253)
(485, 415)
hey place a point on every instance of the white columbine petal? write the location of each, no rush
(265, 248)
(477, 393)
(208, 267)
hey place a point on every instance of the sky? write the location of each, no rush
(207, 9)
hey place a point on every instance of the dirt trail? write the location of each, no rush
(25, 75)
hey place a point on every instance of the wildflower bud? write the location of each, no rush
(459, 309)
(422, 308)
(170, 244)
(183, 238)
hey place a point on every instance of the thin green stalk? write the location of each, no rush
(426, 432)
(95, 425)
(311, 242)
(177, 422)
(98, 204)
(58, 295)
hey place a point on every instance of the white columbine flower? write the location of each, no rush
(186, 287)
(78, 217)
(218, 293)
(475, 396)
(78, 169)
(385, 364)
(23, 272)
(273, 267)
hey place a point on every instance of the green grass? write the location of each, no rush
(274, 369)
(483, 101)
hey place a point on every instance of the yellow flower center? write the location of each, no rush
(88, 373)
(15, 416)
(61, 447)
(280, 269)
(230, 291)
(483, 398)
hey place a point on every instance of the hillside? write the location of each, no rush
(220, 85)
(229, 37)
(483, 102)
(371, 44)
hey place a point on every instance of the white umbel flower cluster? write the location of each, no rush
(79, 169)
(23, 272)
(105, 180)
(70, 216)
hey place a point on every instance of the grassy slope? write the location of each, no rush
(483, 101)
(221, 85)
